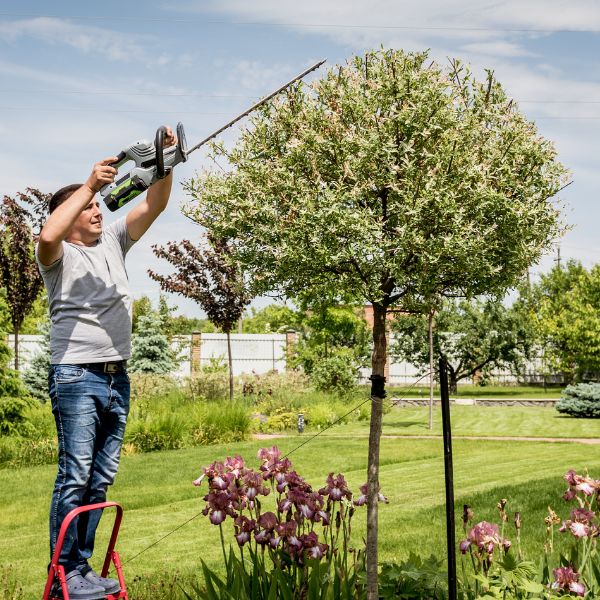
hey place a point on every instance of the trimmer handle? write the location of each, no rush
(152, 162)
(159, 141)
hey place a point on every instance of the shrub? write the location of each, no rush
(259, 388)
(150, 386)
(581, 400)
(13, 415)
(279, 420)
(165, 432)
(337, 372)
(222, 423)
(17, 452)
(208, 386)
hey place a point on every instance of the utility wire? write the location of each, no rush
(221, 96)
(204, 113)
(310, 439)
(192, 21)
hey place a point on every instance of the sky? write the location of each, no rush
(81, 80)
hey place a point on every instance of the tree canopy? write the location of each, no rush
(565, 308)
(21, 220)
(472, 336)
(390, 180)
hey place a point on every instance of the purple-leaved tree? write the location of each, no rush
(208, 276)
(21, 220)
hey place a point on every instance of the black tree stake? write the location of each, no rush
(449, 477)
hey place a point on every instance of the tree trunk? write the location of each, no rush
(230, 361)
(431, 369)
(16, 347)
(453, 384)
(377, 394)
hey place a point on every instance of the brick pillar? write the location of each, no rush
(291, 339)
(195, 352)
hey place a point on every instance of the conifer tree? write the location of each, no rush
(150, 349)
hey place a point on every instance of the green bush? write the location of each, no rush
(279, 420)
(325, 414)
(163, 432)
(260, 388)
(221, 423)
(13, 415)
(208, 385)
(150, 386)
(337, 372)
(17, 452)
(581, 400)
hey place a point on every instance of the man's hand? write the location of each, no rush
(170, 138)
(102, 174)
(141, 216)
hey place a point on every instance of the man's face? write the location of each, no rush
(88, 226)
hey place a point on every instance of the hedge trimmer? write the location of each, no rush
(153, 162)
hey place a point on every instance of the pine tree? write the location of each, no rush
(150, 352)
(36, 375)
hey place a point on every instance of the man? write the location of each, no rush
(83, 267)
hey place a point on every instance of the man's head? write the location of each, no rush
(88, 226)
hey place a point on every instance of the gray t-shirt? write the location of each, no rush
(89, 299)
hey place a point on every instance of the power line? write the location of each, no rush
(192, 21)
(125, 93)
(111, 110)
(205, 113)
(194, 94)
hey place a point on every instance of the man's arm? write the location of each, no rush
(140, 217)
(62, 219)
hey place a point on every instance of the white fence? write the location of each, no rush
(260, 353)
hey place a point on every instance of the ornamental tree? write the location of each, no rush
(393, 181)
(21, 220)
(208, 276)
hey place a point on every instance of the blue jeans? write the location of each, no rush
(90, 409)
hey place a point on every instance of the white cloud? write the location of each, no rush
(113, 45)
(389, 21)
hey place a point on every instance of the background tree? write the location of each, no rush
(20, 222)
(211, 278)
(565, 309)
(141, 306)
(36, 375)
(150, 348)
(389, 180)
(273, 318)
(471, 336)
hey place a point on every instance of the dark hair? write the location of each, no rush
(63, 194)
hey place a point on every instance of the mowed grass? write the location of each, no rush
(156, 492)
(514, 421)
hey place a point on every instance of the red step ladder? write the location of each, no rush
(57, 571)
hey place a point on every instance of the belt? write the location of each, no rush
(113, 366)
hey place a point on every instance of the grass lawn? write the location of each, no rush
(157, 494)
(519, 421)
